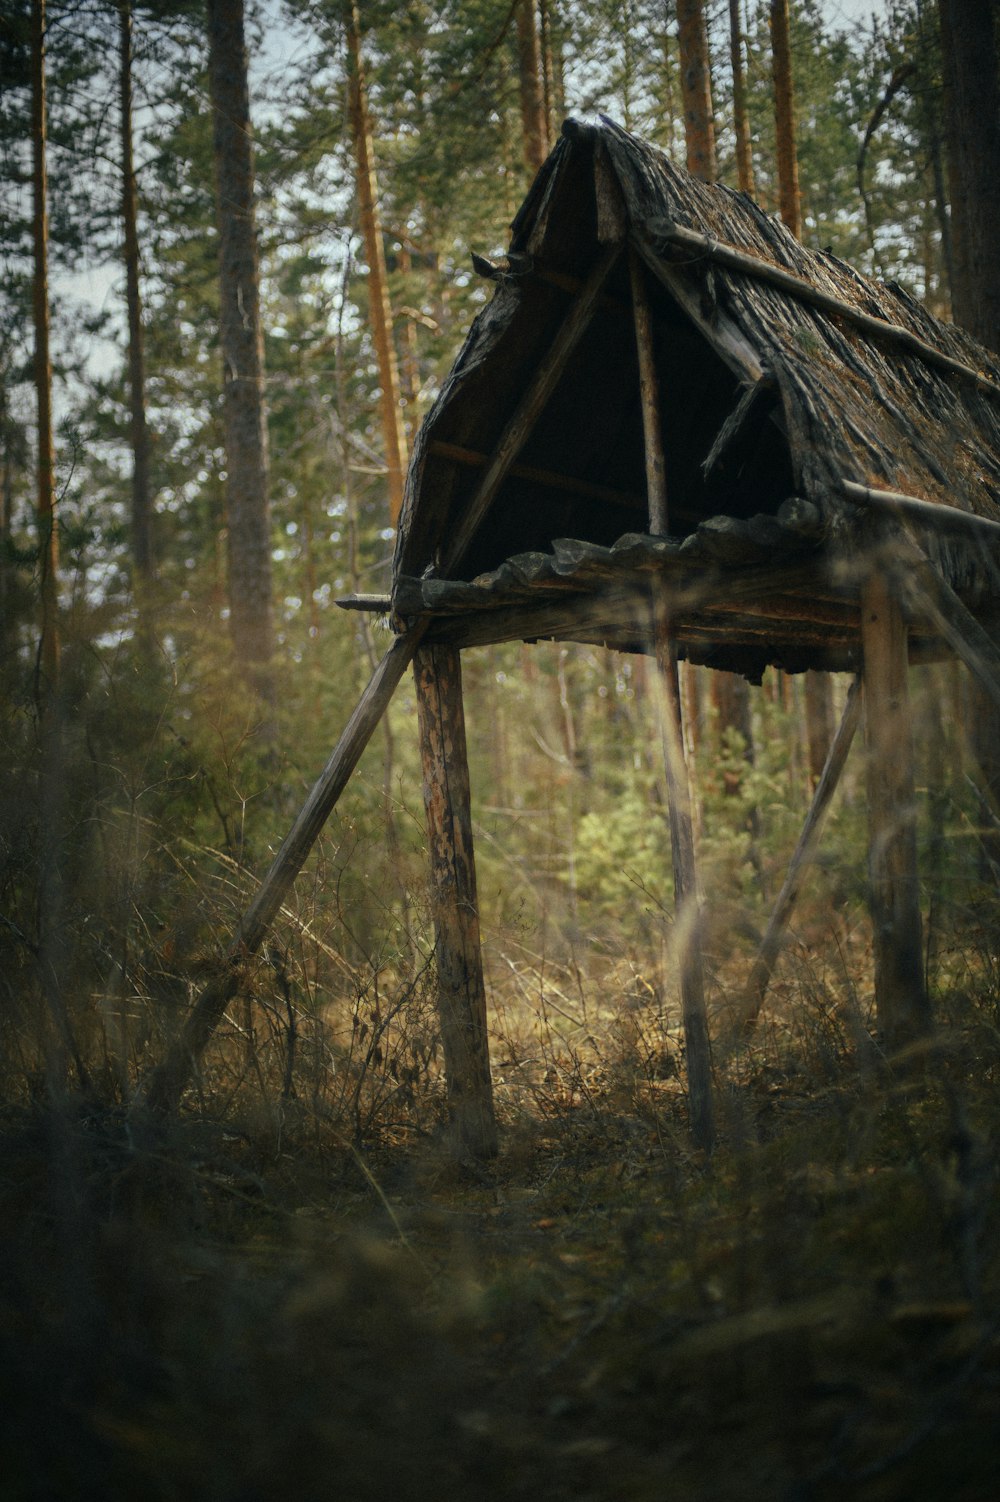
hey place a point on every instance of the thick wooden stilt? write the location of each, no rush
(687, 905)
(900, 994)
(461, 990)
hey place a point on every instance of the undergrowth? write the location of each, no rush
(298, 1293)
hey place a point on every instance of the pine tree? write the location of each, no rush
(241, 340)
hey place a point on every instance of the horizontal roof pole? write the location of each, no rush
(932, 512)
(665, 230)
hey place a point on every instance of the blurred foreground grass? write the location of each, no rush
(231, 1314)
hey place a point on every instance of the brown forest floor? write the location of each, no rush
(599, 1315)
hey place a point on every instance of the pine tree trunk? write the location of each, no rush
(45, 502)
(242, 347)
(971, 58)
(531, 79)
(970, 45)
(142, 511)
(379, 308)
(741, 117)
(696, 90)
(784, 118)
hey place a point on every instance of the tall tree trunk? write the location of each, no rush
(551, 69)
(247, 510)
(142, 511)
(784, 118)
(741, 117)
(971, 59)
(970, 45)
(45, 502)
(379, 308)
(818, 692)
(696, 89)
(531, 80)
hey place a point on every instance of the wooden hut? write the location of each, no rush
(675, 430)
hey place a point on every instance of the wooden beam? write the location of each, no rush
(649, 395)
(694, 243)
(530, 408)
(168, 1081)
(473, 459)
(770, 946)
(895, 503)
(687, 903)
(900, 994)
(460, 987)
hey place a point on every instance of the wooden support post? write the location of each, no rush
(687, 905)
(763, 965)
(900, 995)
(461, 990)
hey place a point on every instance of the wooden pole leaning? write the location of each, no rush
(770, 945)
(167, 1082)
(461, 992)
(687, 908)
(900, 993)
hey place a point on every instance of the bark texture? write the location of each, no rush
(531, 80)
(241, 339)
(784, 118)
(45, 498)
(461, 988)
(970, 45)
(696, 89)
(741, 116)
(379, 306)
(142, 512)
(971, 63)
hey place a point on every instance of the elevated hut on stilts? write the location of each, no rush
(675, 430)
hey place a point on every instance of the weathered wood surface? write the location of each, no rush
(649, 396)
(687, 899)
(170, 1078)
(665, 232)
(460, 986)
(895, 503)
(540, 388)
(474, 459)
(687, 931)
(900, 993)
(770, 945)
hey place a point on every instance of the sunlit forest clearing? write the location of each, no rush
(500, 825)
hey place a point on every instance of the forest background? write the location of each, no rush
(171, 686)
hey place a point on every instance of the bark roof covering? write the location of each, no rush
(764, 394)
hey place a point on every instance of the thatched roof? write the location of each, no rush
(783, 373)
